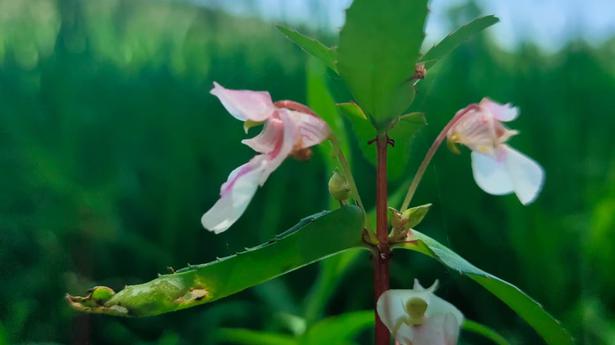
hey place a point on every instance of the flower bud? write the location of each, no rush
(339, 187)
(101, 294)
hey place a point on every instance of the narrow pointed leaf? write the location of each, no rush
(312, 46)
(531, 311)
(379, 46)
(454, 39)
(313, 239)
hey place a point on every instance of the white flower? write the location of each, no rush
(418, 317)
(286, 132)
(498, 169)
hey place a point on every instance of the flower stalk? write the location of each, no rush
(428, 156)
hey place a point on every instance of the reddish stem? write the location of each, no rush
(381, 258)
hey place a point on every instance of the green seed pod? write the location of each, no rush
(339, 187)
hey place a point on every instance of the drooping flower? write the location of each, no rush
(418, 317)
(498, 169)
(286, 132)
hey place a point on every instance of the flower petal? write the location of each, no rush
(235, 195)
(268, 138)
(491, 174)
(244, 104)
(312, 129)
(503, 112)
(283, 147)
(442, 319)
(441, 329)
(526, 175)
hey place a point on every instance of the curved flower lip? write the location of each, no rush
(439, 324)
(497, 168)
(289, 128)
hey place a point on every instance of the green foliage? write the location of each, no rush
(198, 284)
(402, 132)
(454, 39)
(241, 336)
(548, 327)
(484, 331)
(339, 330)
(416, 214)
(110, 150)
(378, 47)
(311, 46)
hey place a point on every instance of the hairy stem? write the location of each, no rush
(381, 257)
(428, 156)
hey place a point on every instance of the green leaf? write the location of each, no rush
(321, 101)
(531, 311)
(312, 46)
(194, 285)
(341, 329)
(379, 46)
(403, 133)
(453, 40)
(242, 336)
(480, 329)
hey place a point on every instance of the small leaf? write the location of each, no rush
(379, 46)
(531, 311)
(312, 46)
(195, 285)
(453, 40)
(480, 329)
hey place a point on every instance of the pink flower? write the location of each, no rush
(289, 129)
(418, 317)
(498, 169)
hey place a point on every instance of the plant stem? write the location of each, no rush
(381, 257)
(429, 155)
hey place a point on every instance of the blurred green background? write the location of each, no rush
(111, 148)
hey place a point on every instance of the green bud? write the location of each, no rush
(339, 187)
(397, 220)
(415, 215)
(101, 294)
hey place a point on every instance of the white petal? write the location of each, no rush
(312, 129)
(526, 175)
(235, 196)
(268, 138)
(441, 329)
(245, 104)
(503, 112)
(491, 174)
